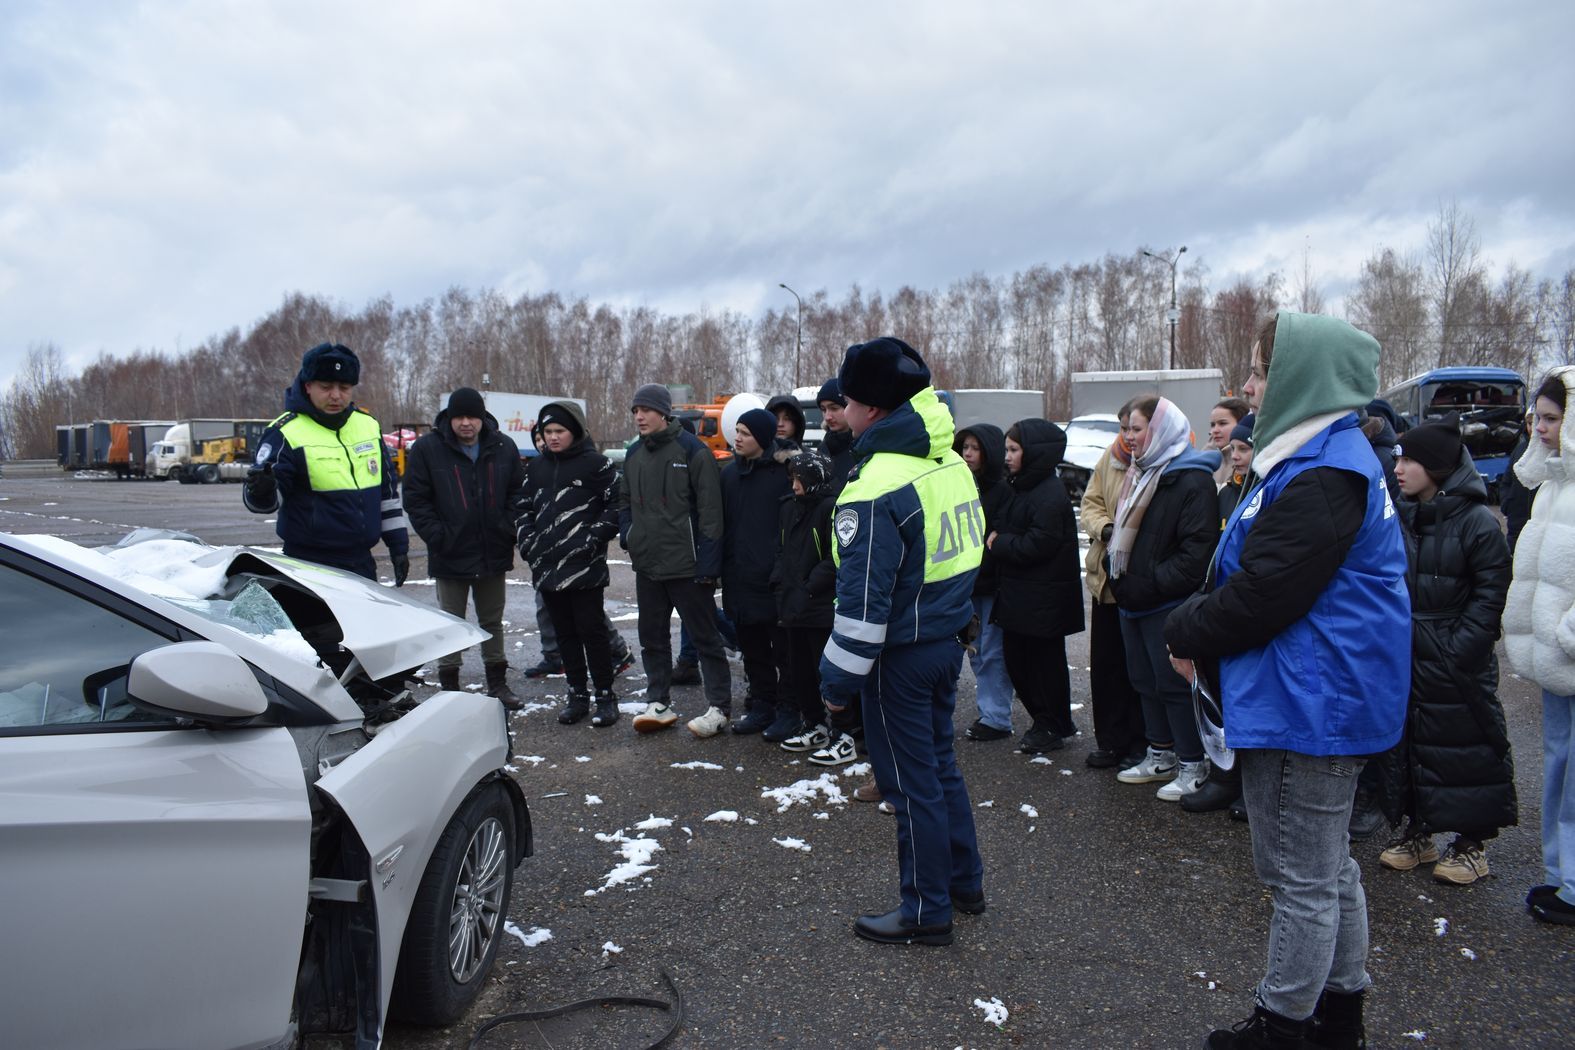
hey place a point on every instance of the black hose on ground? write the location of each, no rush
(676, 1008)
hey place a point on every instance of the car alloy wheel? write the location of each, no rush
(476, 917)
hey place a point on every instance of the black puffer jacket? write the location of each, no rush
(1039, 591)
(805, 578)
(464, 511)
(569, 513)
(993, 492)
(752, 493)
(1454, 760)
(1180, 530)
(838, 445)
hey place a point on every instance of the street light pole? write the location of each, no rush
(1173, 315)
(798, 331)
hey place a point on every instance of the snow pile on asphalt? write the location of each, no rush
(806, 792)
(636, 854)
(994, 1010)
(792, 843)
(1029, 810)
(537, 934)
(609, 948)
(653, 822)
(1440, 926)
(723, 816)
(695, 765)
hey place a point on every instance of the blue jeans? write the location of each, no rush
(1299, 808)
(993, 688)
(1558, 793)
(909, 698)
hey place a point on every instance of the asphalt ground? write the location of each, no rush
(1115, 920)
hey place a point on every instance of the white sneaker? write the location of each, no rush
(1156, 765)
(654, 717)
(709, 724)
(811, 739)
(1189, 777)
(840, 753)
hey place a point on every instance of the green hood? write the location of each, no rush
(1320, 365)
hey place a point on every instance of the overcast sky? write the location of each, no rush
(171, 169)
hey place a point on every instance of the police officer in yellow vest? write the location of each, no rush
(909, 537)
(323, 468)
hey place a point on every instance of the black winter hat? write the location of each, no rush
(559, 414)
(812, 470)
(467, 402)
(1243, 431)
(831, 390)
(330, 363)
(762, 426)
(1436, 446)
(653, 395)
(882, 373)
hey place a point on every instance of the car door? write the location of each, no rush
(153, 876)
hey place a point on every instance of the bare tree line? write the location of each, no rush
(1030, 330)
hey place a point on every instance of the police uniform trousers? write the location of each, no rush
(909, 700)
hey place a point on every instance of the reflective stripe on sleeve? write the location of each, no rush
(849, 662)
(859, 630)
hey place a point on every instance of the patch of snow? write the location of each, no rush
(994, 1010)
(751, 821)
(1040, 760)
(822, 816)
(537, 934)
(806, 792)
(723, 816)
(653, 823)
(695, 765)
(685, 829)
(1468, 953)
(1026, 808)
(582, 758)
(636, 854)
(593, 800)
(1077, 707)
(609, 948)
(858, 769)
(534, 760)
(988, 803)
(790, 843)
(1440, 926)
(1064, 772)
(1416, 1034)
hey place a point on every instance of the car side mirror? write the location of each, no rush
(197, 680)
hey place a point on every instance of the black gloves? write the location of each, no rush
(401, 564)
(261, 488)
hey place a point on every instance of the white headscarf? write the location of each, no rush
(1168, 436)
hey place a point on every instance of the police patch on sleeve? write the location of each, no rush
(263, 452)
(846, 526)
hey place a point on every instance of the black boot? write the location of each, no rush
(1337, 1022)
(1264, 1030)
(757, 717)
(1221, 789)
(606, 709)
(686, 672)
(448, 678)
(578, 707)
(498, 686)
(545, 666)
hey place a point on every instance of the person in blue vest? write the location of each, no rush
(323, 469)
(909, 537)
(1309, 622)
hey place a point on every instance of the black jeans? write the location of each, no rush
(764, 649)
(579, 619)
(801, 685)
(697, 611)
(1118, 711)
(1037, 668)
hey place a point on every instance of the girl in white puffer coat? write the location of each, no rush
(1539, 633)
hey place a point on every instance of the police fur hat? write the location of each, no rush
(330, 363)
(882, 373)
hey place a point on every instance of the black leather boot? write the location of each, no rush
(578, 707)
(448, 678)
(1337, 1022)
(498, 686)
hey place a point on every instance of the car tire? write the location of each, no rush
(183, 476)
(455, 906)
(208, 474)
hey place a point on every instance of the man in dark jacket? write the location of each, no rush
(670, 522)
(754, 483)
(837, 445)
(462, 481)
(323, 469)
